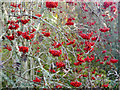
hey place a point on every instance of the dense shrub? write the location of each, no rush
(59, 44)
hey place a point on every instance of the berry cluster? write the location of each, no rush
(69, 21)
(105, 29)
(37, 80)
(55, 53)
(10, 37)
(60, 64)
(76, 83)
(23, 49)
(51, 4)
(46, 34)
(86, 36)
(71, 42)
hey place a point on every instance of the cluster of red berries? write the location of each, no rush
(19, 33)
(37, 80)
(76, 83)
(108, 63)
(91, 23)
(77, 63)
(81, 60)
(113, 60)
(105, 29)
(58, 86)
(71, 42)
(23, 49)
(104, 51)
(52, 70)
(86, 36)
(46, 34)
(27, 36)
(51, 4)
(106, 57)
(105, 85)
(107, 4)
(57, 45)
(113, 9)
(93, 78)
(25, 21)
(55, 53)
(60, 64)
(89, 59)
(69, 21)
(10, 37)
(24, 35)
(94, 38)
(13, 24)
(88, 46)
